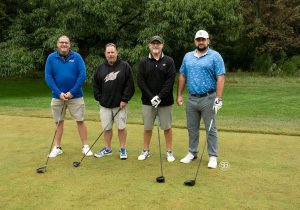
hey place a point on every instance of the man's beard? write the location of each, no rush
(201, 49)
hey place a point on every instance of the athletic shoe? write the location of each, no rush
(144, 155)
(55, 151)
(123, 154)
(188, 158)
(212, 163)
(103, 152)
(170, 156)
(86, 150)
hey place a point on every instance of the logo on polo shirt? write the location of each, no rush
(71, 60)
(111, 76)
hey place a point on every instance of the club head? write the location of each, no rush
(160, 179)
(76, 164)
(190, 182)
(41, 170)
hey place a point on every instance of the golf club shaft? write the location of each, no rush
(203, 149)
(101, 133)
(57, 124)
(158, 136)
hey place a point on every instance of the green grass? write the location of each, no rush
(251, 103)
(264, 172)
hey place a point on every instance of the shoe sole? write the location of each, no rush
(98, 156)
(189, 161)
(87, 154)
(55, 155)
(123, 158)
(210, 167)
(145, 158)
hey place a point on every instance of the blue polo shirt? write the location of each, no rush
(65, 74)
(201, 72)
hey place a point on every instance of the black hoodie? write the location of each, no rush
(113, 84)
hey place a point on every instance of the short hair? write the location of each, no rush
(110, 45)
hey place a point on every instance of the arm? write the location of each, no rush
(180, 88)
(220, 86)
(141, 80)
(81, 76)
(168, 84)
(49, 78)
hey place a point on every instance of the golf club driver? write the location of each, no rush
(192, 182)
(160, 179)
(75, 163)
(43, 168)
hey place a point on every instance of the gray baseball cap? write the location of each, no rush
(156, 38)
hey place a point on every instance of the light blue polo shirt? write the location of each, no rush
(201, 72)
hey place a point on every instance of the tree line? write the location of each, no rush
(251, 35)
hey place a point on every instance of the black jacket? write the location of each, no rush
(113, 84)
(157, 78)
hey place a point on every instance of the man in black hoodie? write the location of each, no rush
(156, 76)
(113, 87)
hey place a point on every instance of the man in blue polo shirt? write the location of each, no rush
(204, 72)
(65, 74)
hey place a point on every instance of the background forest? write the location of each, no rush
(252, 35)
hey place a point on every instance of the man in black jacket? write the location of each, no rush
(156, 76)
(113, 87)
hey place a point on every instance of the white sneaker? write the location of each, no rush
(55, 151)
(86, 150)
(144, 155)
(188, 158)
(170, 156)
(212, 162)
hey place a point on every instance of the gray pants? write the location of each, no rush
(195, 109)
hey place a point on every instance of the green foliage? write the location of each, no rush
(291, 66)
(16, 62)
(284, 67)
(92, 62)
(262, 63)
(239, 30)
(272, 27)
(91, 24)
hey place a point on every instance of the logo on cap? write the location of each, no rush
(156, 38)
(201, 34)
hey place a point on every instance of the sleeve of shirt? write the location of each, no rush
(182, 69)
(81, 76)
(141, 80)
(219, 65)
(168, 84)
(49, 78)
(129, 86)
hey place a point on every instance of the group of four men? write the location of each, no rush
(202, 70)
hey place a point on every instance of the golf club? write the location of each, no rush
(43, 168)
(75, 163)
(192, 182)
(160, 179)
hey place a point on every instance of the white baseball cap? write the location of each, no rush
(201, 34)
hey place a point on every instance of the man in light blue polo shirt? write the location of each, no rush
(204, 72)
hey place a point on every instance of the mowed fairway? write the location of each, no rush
(263, 174)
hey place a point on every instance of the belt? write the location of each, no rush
(202, 95)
